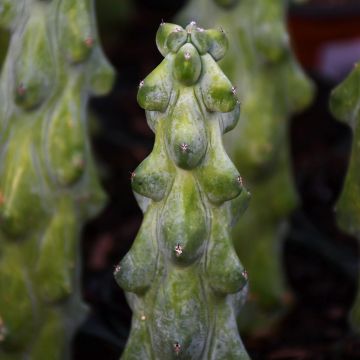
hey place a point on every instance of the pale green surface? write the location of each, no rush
(271, 87)
(183, 279)
(48, 185)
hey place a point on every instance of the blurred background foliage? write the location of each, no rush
(320, 262)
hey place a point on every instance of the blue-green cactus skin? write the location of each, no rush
(48, 183)
(272, 87)
(184, 281)
(345, 106)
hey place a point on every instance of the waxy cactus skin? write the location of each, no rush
(48, 183)
(271, 87)
(345, 106)
(184, 281)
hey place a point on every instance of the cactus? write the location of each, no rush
(272, 86)
(345, 106)
(184, 281)
(48, 182)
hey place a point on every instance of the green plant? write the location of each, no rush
(183, 279)
(48, 182)
(271, 87)
(345, 106)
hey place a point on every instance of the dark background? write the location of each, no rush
(321, 261)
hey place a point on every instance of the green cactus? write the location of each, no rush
(272, 87)
(48, 182)
(345, 106)
(184, 281)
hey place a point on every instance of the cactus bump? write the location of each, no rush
(345, 106)
(48, 181)
(271, 87)
(184, 281)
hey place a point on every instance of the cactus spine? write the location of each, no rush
(272, 86)
(48, 183)
(183, 278)
(345, 106)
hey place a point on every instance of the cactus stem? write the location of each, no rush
(184, 147)
(178, 250)
(175, 270)
(177, 348)
(245, 274)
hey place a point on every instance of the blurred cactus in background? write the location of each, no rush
(345, 106)
(272, 87)
(48, 183)
(184, 281)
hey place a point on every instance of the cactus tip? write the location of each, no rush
(143, 317)
(132, 175)
(162, 22)
(178, 250)
(234, 90)
(141, 84)
(240, 180)
(187, 55)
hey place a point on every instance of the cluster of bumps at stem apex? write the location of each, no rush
(189, 45)
(189, 103)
